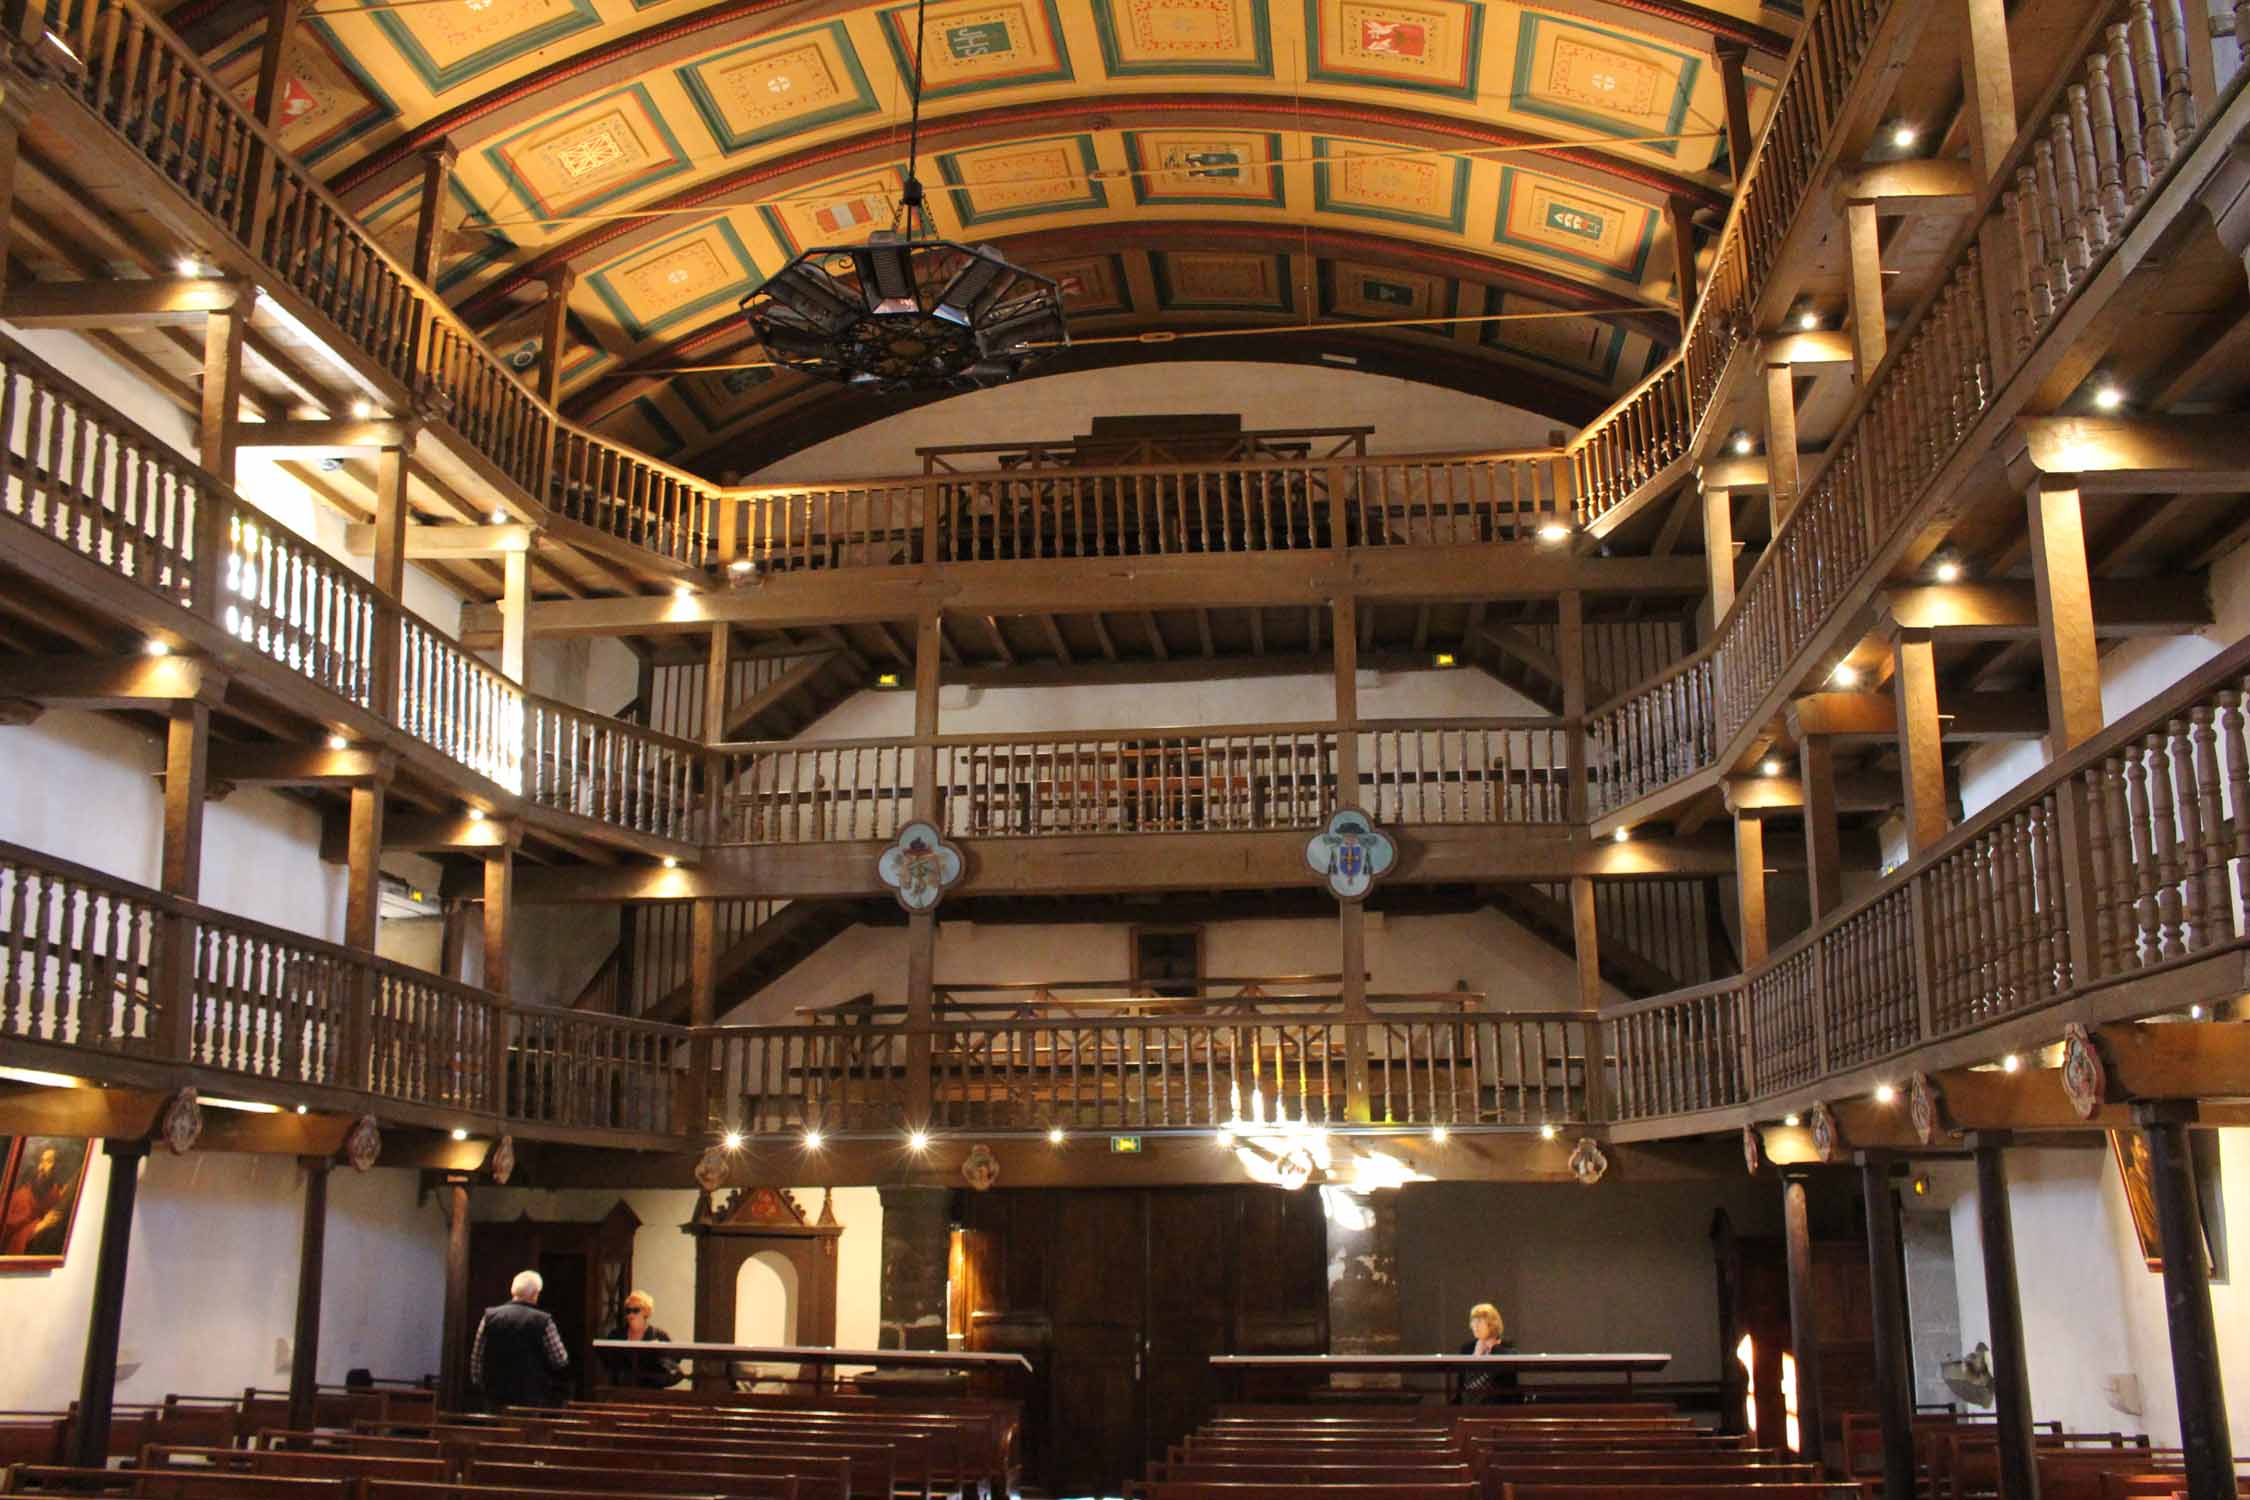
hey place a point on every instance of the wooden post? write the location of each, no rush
(388, 574)
(453, 1358)
(1921, 746)
(281, 23)
(10, 127)
(1988, 87)
(1718, 551)
(2072, 665)
(1680, 213)
(97, 1381)
(1824, 876)
(555, 331)
(2011, 1384)
(1781, 441)
(221, 412)
(1586, 945)
(1570, 655)
(1894, 1366)
(429, 222)
(515, 607)
(1731, 56)
(922, 927)
(499, 901)
(1351, 916)
(304, 1352)
(453, 943)
(2204, 1438)
(362, 911)
(1750, 888)
(703, 1007)
(1804, 1317)
(718, 666)
(1863, 252)
(187, 747)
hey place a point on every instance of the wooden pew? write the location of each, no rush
(930, 1459)
(169, 1484)
(816, 1476)
(1320, 1476)
(1407, 1490)
(32, 1438)
(1815, 1490)
(292, 1464)
(569, 1479)
(870, 1468)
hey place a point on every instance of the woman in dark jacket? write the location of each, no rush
(649, 1371)
(1486, 1332)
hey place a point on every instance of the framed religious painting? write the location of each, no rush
(39, 1201)
(2130, 1149)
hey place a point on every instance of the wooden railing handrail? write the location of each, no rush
(528, 1014)
(630, 728)
(948, 480)
(1042, 444)
(1702, 991)
(1205, 1020)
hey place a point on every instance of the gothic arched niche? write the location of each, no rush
(761, 1264)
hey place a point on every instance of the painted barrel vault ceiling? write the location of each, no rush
(1176, 164)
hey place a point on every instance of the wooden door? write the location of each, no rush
(565, 1297)
(1096, 1290)
(1194, 1279)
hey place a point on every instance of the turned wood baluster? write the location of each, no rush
(2086, 170)
(2179, 86)
(2051, 213)
(2148, 80)
(2208, 818)
(2237, 809)
(2102, 103)
(2116, 848)
(2143, 863)
(2164, 829)
(2104, 946)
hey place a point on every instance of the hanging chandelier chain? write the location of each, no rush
(915, 211)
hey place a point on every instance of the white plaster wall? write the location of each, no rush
(211, 1283)
(2092, 1309)
(1407, 417)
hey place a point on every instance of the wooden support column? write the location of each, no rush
(718, 667)
(1824, 875)
(187, 751)
(362, 912)
(2069, 660)
(1863, 251)
(499, 903)
(703, 1006)
(429, 221)
(1781, 441)
(1679, 212)
(1894, 1366)
(453, 943)
(1921, 748)
(1988, 87)
(281, 24)
(1570, 655)
(1750, 888)
(922, 927)
(1736, 91)
(1586, 945)
(515, 605)
(2011, 1384)
(555, 334)
(453, 1355)
(1351, 916)
(10, 127)
(1804, 1316)
(1718, 550)
(218, 424)
(97, 1381)
(304, 1352)
(389, 577)
(2204, 1438)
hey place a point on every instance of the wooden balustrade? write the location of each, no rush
(1484, 1068)
(297, 605)
(430, 1040)
(842, 1079)
(1680, 1053)
(78, 954)
(1228, 778)
(869, 524)
(617, 492)
(270, 1004)
(451, 701)
(584, 1070)
(613, 771)
(1465, 771)
(813, 792)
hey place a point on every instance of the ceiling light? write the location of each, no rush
(300, 1109)
(338, 742)
(188, 265)
(2109, 398)
(1442, 659)
(459, 1134)
(671, 862)
(741, 565)
(1792, 1121)
(158, 648)
(1439, 1135)
(682, 591)
(917, 1140)
(1742, 443)
(2195, 1012)
(44, 1080)
(363, 409)
(886, 679)
(246, 1106)
(1225, 1140)
(499, 515)
(1808, 320)
(1621, 836)
(1845, 676)
(812, 1140)
(1546, 1132)
(1903, 134)
(732, 1140)
(1553, 531)
(476, 815)
(1948, 571)
(2010, 1063)
(1884, 1093)
(1054, 1135)
(1770, 766)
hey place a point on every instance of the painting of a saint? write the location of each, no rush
(39, 1201)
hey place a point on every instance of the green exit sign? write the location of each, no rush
(1125, 1145)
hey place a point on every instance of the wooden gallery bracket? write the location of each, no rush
(763, 1221)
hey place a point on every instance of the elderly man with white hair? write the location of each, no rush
(518, 1358)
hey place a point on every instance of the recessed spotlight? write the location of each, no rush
(1439, 1135)
(1792, 1121)
(1770, 766)
(671, 862)
(1553, 531)
(1845, 676)
(459, 1134)
(812, 1140)
(476, 815)
(2195, 1012)
(917, 1140)
(1622, 836)
(1884, 1093)
(1054, 1135)
(2109, 398)
(682, 591)
(1742, 443)
(1546, 1132)
(732, 1140)
(742, 565)
(300, 1109)
(338, 742)
(158, 648)
(188, 265)
(1948, 571)
(1443, 659)
(499, 516)
(2011, 1063)
(1904, 134)
(1225, 1140)
(1808, 320)
(363, 409)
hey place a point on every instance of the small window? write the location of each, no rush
(1168, 961)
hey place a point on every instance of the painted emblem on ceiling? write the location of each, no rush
(1376, 180)
(1023, 178)
(1155, 38)
(840, 211)
(1350, 853)
(1222, 281)
(1091, 284)
(1596, 79)
(447, 45)
(325, 101)
(980, 44)
(609, 146)
(1219, 167)
(1583, 346)
(1425, 45)
(919, 866)
(779, 86)
(658, 285)
(466, 245)
(1570, 222)
(1357, 289)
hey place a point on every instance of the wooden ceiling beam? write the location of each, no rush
(2158, 606)
(95, 682)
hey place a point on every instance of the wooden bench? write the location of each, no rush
(815, 1477)
(1814, 1490)
(292, 1464)
(1399, 1490)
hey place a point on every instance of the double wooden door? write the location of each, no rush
(1120, 1297)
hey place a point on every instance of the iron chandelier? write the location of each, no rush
(907, 310)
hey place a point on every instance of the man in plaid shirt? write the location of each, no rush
(518, 1358)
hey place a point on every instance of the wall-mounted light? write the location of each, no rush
(917, 1140)
(1884, 1093)
(812, 1140)
(245, 1106)
(683, 591)
(2011, 1063)
(886, 679)
(1769, 766)
(43, 1079)
(158, 648)
(476, 815)
(1443, 659)
(1792, 1121)
(363, 409)
(732, 1140)
(1742, 442)
(1947, 571)
(1054, 1135)
(187, 265)
(499, 515)
(671, 862)
(1622, 836)
(1439, 1135)
(459, 1134)
(1554, 531)
(1547, 1132)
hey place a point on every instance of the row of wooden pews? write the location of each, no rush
(822, 1448)
(226, 1421)
(1957, 1457)
(1589, 1451)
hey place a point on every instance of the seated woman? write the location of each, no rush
(650, 1371)
(1485, 1337)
